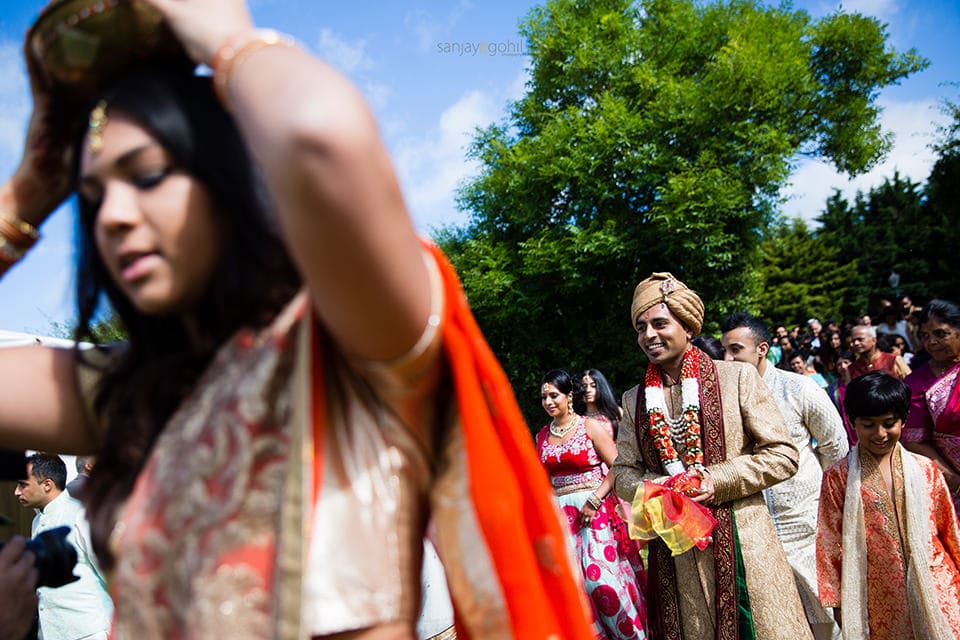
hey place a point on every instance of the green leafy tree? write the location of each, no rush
(104, 331)
(888, 229)
(109, 329)
(943, 203)
(653, 136)
(802, 274)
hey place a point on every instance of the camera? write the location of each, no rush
(13, 465)
(54, 557)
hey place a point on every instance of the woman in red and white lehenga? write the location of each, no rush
(577, 452)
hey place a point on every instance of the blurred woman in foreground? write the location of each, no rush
(302, 380)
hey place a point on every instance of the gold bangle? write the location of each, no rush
(237, 48)
(16, 238)
(17, 231)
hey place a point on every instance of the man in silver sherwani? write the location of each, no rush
(817, 431)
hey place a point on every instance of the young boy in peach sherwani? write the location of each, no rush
(888, 546)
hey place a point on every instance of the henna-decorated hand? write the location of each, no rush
(44, 178)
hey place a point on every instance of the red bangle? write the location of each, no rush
(235, 49)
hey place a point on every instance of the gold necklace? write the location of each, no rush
(560, 432)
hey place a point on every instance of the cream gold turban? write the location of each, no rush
(663, 287)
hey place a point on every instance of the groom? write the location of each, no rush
(721, 420)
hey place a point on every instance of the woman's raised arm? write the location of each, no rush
(328, 172)
(41, 407)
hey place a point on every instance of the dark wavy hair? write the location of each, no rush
(48, 466)
(565, 384)
(886, 342)
(252, 281)
(946, 311)
(606, 400)
(827, 354)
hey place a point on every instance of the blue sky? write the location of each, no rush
(416, 63)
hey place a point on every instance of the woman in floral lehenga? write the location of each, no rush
(576, 452)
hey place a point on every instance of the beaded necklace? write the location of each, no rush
(560, 432)
(684, 428)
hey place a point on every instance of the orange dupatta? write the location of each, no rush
(508, 490)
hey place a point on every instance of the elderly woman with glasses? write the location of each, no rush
(933, 425)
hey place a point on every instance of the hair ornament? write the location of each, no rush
(96, 124)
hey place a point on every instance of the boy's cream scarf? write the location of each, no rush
(928, 620)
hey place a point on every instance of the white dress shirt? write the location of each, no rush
(83, 608)
(817, 430)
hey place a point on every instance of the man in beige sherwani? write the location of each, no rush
(745, 448)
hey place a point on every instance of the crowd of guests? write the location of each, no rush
(823, 350)
(867, 516)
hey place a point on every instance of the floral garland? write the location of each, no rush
(656, 412)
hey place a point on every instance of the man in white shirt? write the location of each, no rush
(81, 610)
(817, 430)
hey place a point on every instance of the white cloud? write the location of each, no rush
(429, 29)
(425, 27)
(883, 9)
(518, 88)
(431, 167)
(377, 93)
(348, 56)
(913, 125)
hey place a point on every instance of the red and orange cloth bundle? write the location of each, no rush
(665, 511)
